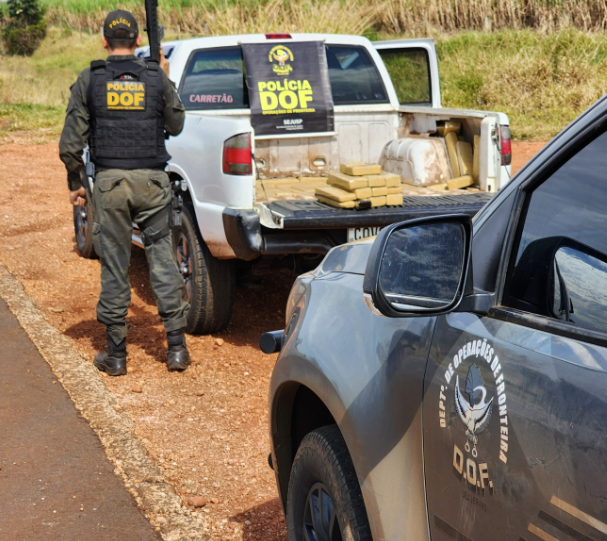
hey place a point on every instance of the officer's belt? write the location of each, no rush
(152, 223)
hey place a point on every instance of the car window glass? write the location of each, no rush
(409, 70)
(580, 288)
(354, 77)
(563, 241)
(215, 79)
(422, 265)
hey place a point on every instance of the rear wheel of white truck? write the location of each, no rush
(83, 229)
(210, 282)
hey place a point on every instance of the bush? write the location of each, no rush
(25, 12)
(23, 41)
(25, 27)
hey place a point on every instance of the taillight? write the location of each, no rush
(506, 145)
(278, 36)
(237, 155)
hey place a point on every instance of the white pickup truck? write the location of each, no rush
(387, 110)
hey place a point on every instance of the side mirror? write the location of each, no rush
(419, 267)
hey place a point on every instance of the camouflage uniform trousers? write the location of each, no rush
(122, 197)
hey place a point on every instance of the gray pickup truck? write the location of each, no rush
(448, 380)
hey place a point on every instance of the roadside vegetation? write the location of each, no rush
(34, 90)
(541, 81)
(539, 61)
(392, 16)
(23, 27)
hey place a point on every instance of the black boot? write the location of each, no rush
(178, 356)
(112, 361)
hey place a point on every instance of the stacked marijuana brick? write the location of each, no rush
(361, 185)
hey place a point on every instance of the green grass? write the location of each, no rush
(42, 122)
(541, 81)
(45, 78)
(34, 91)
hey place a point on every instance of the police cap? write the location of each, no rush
(120, 24)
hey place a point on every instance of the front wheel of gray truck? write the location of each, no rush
(324, 500)
(210, 282)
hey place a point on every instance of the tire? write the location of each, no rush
(323, 478)
(210, 282)
(83, 229)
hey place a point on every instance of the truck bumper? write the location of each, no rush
(243, 232)
(249, 240)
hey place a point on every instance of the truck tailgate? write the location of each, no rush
(316, 215)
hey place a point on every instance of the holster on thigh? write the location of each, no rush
(156, 227)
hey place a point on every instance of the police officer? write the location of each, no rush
(122, 107)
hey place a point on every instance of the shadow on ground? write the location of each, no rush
(265, 521)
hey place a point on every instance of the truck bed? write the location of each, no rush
(303, 214)
(303, 188)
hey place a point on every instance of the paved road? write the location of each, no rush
(55, 480)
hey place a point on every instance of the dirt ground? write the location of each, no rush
(207, 427)
(522, 152)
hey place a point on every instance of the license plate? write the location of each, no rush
(357, 233)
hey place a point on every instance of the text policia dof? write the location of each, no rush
(291, 95)
(126, 95)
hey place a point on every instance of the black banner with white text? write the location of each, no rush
(289, 89)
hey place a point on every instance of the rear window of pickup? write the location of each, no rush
(216, 79)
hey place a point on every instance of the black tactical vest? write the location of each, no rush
(126, 104)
